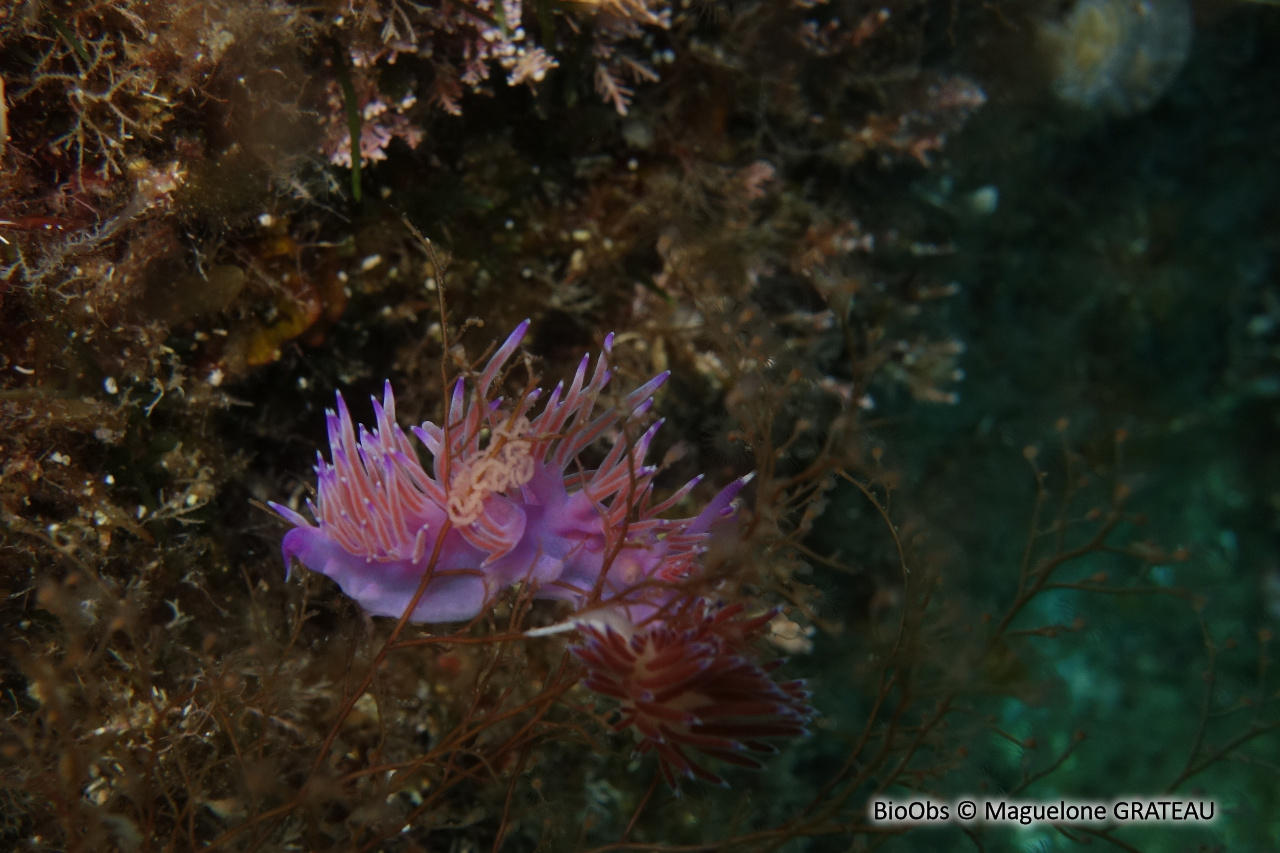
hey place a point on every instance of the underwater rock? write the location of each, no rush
(1119, 55)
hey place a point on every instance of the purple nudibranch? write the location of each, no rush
(506, 500)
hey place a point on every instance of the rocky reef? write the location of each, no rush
(960, 322)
